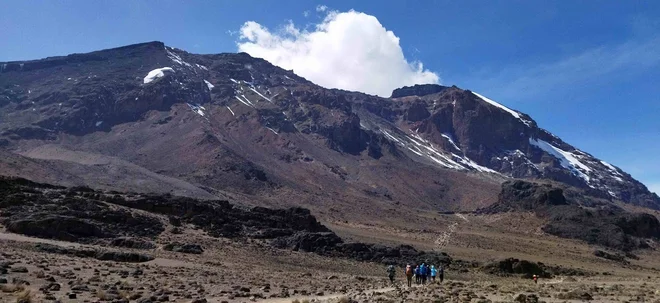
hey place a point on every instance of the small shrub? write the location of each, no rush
(295, 301)
(11, 288)
(25, 296)
(125, 294)
(100, 293)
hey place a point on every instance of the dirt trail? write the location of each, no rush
(443, 240)
(319, 298)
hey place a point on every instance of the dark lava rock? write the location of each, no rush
(516, 266)
(575, 295)
(82, 218)
(77, 216)
(80, 287)
(526, 196)
(184, 248)
(123, 257)
(417, 112)
(3, 281)
(132, 243)
(527, 269)
(329, 244)
(417, 90)
(310, 242)
(531, 298)
(20, 269)
(53, 287)
(610, 227)
(99, 255)
(614, 257)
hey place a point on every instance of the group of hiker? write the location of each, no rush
(422, 273)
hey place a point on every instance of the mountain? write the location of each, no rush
(151, 118)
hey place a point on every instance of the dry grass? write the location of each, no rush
(101, 294)
(11, 288)
(344, 300)
(295, 301)
(125, 294)
(25, 296)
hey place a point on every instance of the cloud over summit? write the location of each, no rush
(347, 50)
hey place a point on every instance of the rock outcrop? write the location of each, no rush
(603, 225)
(47, 211)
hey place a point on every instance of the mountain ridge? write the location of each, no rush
(225, 107)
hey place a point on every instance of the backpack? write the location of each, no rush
(390, 269)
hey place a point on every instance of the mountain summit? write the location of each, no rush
(148, 117)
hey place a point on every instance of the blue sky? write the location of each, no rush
(588, 71)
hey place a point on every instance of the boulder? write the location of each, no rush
(184, 248)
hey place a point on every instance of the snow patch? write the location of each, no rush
(506, 109)
(232, 80)
(157, 73)
(262, 96)
(568, 160)
(176, 58)
(248, 103)
(468, 162)
(271, 130)
(448, 137)
(434, 154)
(209, 85)
(201, 66)
(611, 167)
(231, 111)
(425, 149)
(98, 123)
(197, 108)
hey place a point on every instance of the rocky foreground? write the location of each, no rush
(82, 245)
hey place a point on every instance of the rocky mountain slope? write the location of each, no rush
(148, 117)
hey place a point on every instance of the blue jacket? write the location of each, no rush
(434, 271)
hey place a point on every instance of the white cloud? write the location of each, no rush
(306, 14)
(321, 8)
(347, 50)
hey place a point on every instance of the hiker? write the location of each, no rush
(441, 273)
(428, 273)
(409, 274)
(422, 271)
(535, 277)
(434, 272)
(418, 278)
(390, 273)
